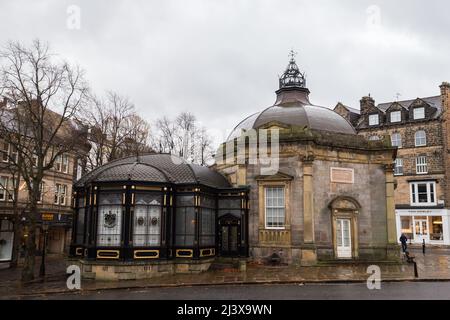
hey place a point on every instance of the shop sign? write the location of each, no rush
(47, 217)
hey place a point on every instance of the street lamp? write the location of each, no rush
(45, 230)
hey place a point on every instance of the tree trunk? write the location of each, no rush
(30, 245)
(17, 225)
(16, 242)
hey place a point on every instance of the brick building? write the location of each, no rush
(420, 129)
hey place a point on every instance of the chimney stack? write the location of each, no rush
(366, 103)
(445, 95)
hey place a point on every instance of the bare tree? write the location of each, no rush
(204, 152)
(164, 141)
(97, 120)
(183, 137)
(120, 111)
(137, 141)
(45, 94)
(115, 130)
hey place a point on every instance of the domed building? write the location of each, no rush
(318, 191)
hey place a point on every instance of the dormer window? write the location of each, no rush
(374, 120)
(419, 113)
(396, 116)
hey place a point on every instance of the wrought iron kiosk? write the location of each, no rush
(155, 214)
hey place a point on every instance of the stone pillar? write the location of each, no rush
(445, 100)
(309, 255)
(390, 205)
(241, 179)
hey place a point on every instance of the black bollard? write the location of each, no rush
(423, 246)
(416, 274)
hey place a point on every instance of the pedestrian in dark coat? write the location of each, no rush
(403, 240)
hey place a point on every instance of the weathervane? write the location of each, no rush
(292, 54)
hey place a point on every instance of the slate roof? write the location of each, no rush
(435, 102)
(159, 168)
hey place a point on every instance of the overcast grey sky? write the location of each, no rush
(221, 59)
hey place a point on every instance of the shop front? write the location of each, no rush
(6, 239)
(58, 233)
(431, 225)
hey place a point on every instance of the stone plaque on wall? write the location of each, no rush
(342, 175)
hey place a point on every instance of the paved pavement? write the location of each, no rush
(434, 265)
(343, 291)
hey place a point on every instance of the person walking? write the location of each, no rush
(404, 240)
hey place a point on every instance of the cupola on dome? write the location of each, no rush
(293, 108)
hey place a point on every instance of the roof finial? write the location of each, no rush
(292, 55)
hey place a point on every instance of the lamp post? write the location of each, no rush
(44, 247)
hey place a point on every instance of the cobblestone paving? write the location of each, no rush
(434, 265)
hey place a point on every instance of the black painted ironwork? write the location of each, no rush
(292, 77)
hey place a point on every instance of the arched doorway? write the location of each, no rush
(344, 216)
(229, 235)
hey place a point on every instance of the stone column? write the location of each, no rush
(390, 204)
(309, 255)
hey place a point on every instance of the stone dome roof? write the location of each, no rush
(293, 108)
(313, 117)
(157, 168)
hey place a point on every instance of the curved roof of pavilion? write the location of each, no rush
(156, 168)
(293, 108)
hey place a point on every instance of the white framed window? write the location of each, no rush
(374, 120)
(9, 153)
(275, 207)
(419, 113)
(60, 194)
(420, 138)
(3, 188)
(421, 165)
(62, 163)
(423, 193)
(396, 139)
(396, 116)
(41, 192)
(6, 189)
(374, 138)
(5, 152)
(398, 169)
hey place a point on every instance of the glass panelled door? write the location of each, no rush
(343, 238)
(421, 229)
(229, 236)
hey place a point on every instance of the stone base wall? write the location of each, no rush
(118, 270)
(308, 255)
